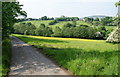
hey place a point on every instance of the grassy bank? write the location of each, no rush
(6, 53)
(80, 56)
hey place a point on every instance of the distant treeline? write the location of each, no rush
(62, 18)
(68, 30)
(107, 21)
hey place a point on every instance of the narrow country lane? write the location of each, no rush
(26, 60)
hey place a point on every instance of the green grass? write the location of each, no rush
(80, 56)
(81, 22)
(6, 53)
(60, 24)
(110, 28)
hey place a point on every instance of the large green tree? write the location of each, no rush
(43, 30)
(57, 31)
(107, 21)
(10, 10)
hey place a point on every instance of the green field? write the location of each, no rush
(46, 22)
(61, 23)
(110, 28)
(80, 56)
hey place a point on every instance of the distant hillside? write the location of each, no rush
(96, 16)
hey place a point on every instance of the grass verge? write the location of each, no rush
(6, 53)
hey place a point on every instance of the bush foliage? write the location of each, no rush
(68, 30)
(6, 54)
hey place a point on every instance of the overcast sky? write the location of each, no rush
(79, 8)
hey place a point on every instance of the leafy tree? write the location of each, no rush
(44, 18)
(47, 31)
(79, 32)
(52, 22)
(25, 28)
(10, 10)
(57, 31)
(103, 31)
(69, 25)
(39, 31)
(31, 29)
(63, 18)
(21, 28)
(16, 28)
(76, 32)
(87, 19)
(116, 21)
(96, 23)
(75, 18)
(117, 3)
(91, 32)
(50, 18)
(43, 30)
(84, 32)
(74, 23)
(106, 21)
(67, 32)
(42, 26)
(97, 19)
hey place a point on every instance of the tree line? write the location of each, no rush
(62, 18)
(107, 21)
(68, 30)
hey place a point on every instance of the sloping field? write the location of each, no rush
(61, 23)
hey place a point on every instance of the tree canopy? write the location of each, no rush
(10, 10)
(117, 3)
